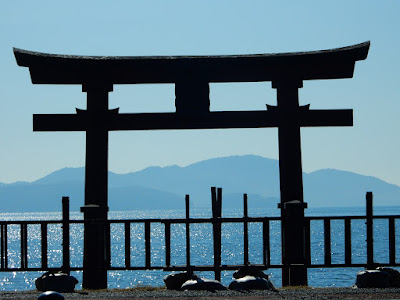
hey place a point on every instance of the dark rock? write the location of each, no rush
(251, 278)
(174, 281)
(51, 295)
(394, 276)
(250, 271)
(58, 282)
(202, 284)
(372, 279)
(379, 278)
(251, 283)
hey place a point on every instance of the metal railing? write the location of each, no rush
(216, 220)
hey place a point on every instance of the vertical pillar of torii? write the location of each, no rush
(96, 233)
(292, 204)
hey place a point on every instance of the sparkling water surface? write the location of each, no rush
(201, 246)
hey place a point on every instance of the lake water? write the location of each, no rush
(201, 246)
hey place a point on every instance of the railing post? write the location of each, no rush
(147, 246)
(327, 242)
(127, 226)
(4, 250)
(392, 241)
(216, 201)
(347, 242)
(167, 244)
(24, 246)
(65, 238)
(44, 245)
(266, 244)
(187, 208)
(245, 231)
(370, 233)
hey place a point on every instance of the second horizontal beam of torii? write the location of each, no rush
(212, 120)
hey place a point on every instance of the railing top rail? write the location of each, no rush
(35, 222)
(197, 220)
(351, 217)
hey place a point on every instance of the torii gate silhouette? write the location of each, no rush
(191, 76)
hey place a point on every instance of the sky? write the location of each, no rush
(215, 27)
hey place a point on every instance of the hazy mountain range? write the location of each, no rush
(165, 188)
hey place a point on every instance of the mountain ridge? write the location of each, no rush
(165, 187)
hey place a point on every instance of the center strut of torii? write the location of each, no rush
(191, 76)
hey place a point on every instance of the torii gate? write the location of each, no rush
(191, 76)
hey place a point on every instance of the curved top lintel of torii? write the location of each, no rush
(73, 69)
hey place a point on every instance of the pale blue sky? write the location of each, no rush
(130, 28)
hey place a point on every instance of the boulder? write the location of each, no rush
(250, 277)
(202, 284)
(51, 295)
(174, 281)
(394, 276)
(250, 271)
(247, 283)
(379, 278)
(58, 282)
(372, 279)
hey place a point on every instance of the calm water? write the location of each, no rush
(201, 246)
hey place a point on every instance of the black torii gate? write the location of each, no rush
(191, 76)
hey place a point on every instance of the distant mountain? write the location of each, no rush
(329, 187)
(165, 188)
(235, 174)
(63, 175)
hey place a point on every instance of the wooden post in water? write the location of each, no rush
(24, 246)
(127, 230)
(187, 208)
(216, 201)
(4, 250)
(370, 232)
(327, 242)
(245, 231)
(266, 244)
(347, 241)
(392, 241)
(65, 237)
(167, 244)
(43, 230)
(147, 245)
